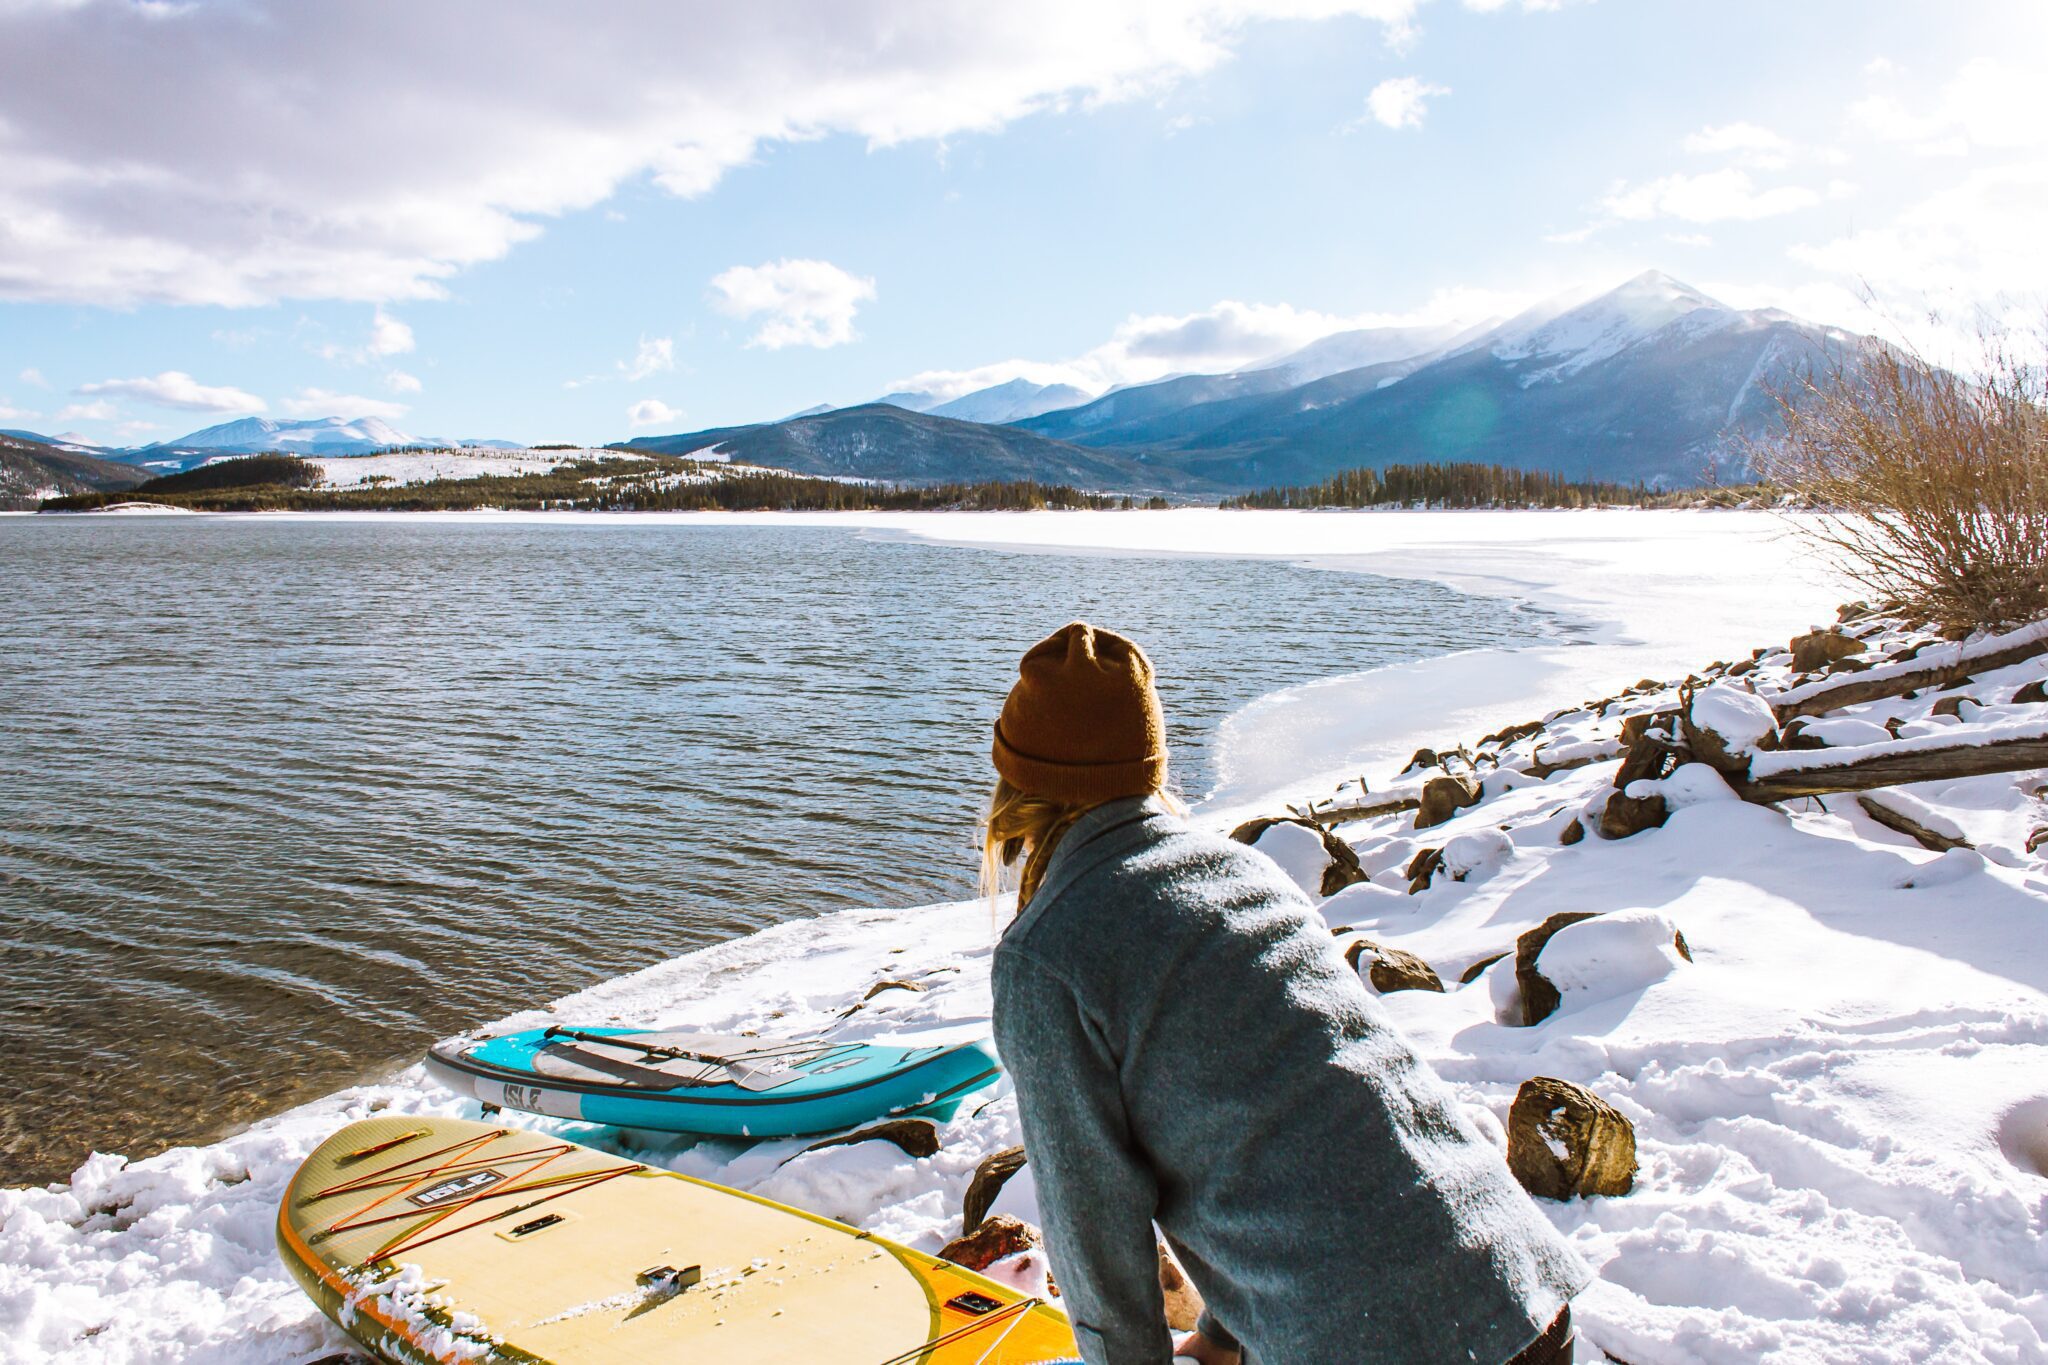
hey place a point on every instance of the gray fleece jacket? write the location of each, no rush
(1190, 1049)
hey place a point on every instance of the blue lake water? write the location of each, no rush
(284, 799)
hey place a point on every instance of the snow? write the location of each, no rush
(1840, 1104)
(1573, 335)
(351, 471)
(1739, 716)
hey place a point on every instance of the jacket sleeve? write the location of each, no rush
(1096, 1191)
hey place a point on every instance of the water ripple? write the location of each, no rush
(283, 800)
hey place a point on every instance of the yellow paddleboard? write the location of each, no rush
(434, 1239)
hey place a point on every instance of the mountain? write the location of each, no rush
(1011, 402)
(911, 401)
(1652, 381)
(1341, 351)
(1169, 411)
(314, 436)
(883, 441)
(67, 440)
(32, 469)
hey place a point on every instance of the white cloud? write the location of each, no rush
(398, 381)
(1688, 239)
(1987, 105)
(128, 431)
(326, 403)
(650, 412)
(10, 413)
(99, 410)
(1975, 243)
(1711, 197)
(388, 337)
(176, 389)
(1401, 101)
(655, 355)
(805, 302)
(1224, 337)
(420, 158)
(34, 377)
(1746, 142)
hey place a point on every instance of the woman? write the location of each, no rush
(1190, 1050)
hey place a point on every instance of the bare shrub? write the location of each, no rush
(1929, 487)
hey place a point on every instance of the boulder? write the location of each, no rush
(1820, 649)
(1391, 969)
(1478, 969)
(1725, 724)
(1624, 815)
(2034, 692)
(1573, 832)
(917, 1137)
(1421, 868)
(1340, 871)
(1952, 705)
(1183, 1300)
(990, 1176)
(1540, 999)
(995, 1237)
(1443, 797)
(1423, 759)
(1566, 1142)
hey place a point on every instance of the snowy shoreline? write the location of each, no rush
(1822, 1169)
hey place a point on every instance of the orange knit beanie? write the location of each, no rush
(1083, 723)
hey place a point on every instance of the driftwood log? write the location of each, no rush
(1891, 765)
(1892, 818)
(1361, 810)
(1941, 666)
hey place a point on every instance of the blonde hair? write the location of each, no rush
(1019, 824)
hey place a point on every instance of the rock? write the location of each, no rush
(917, 1137)
(990, 1176)
(1795, 736)
(1822, 648)
(1478, 969)
(1421, 868)
(881, 986)
(1649, 750)
(2034, 692)
(1443, 797)
(1540, 999)
(995, 1237)
(1849, 611)
(2038, 840)
(1952, 705)
(1477, 852)
(1564, 1142)
(1422, 760)
(1341, 871)
(1725, 724)
(1183, 1300)
(1392, 969)
(1624, 815)
(1573, 832)
(1508, 734)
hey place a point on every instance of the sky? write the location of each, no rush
(545, 223)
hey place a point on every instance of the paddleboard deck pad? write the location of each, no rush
(437, 1239)
(682, 1082)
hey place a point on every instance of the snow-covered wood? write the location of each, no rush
(1933, 667)
(1965, 752)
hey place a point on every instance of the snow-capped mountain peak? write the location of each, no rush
(317, 435)
(1568, 332)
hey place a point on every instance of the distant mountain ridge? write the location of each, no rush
(33, 469)
(886, 442)
(1652, 381)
